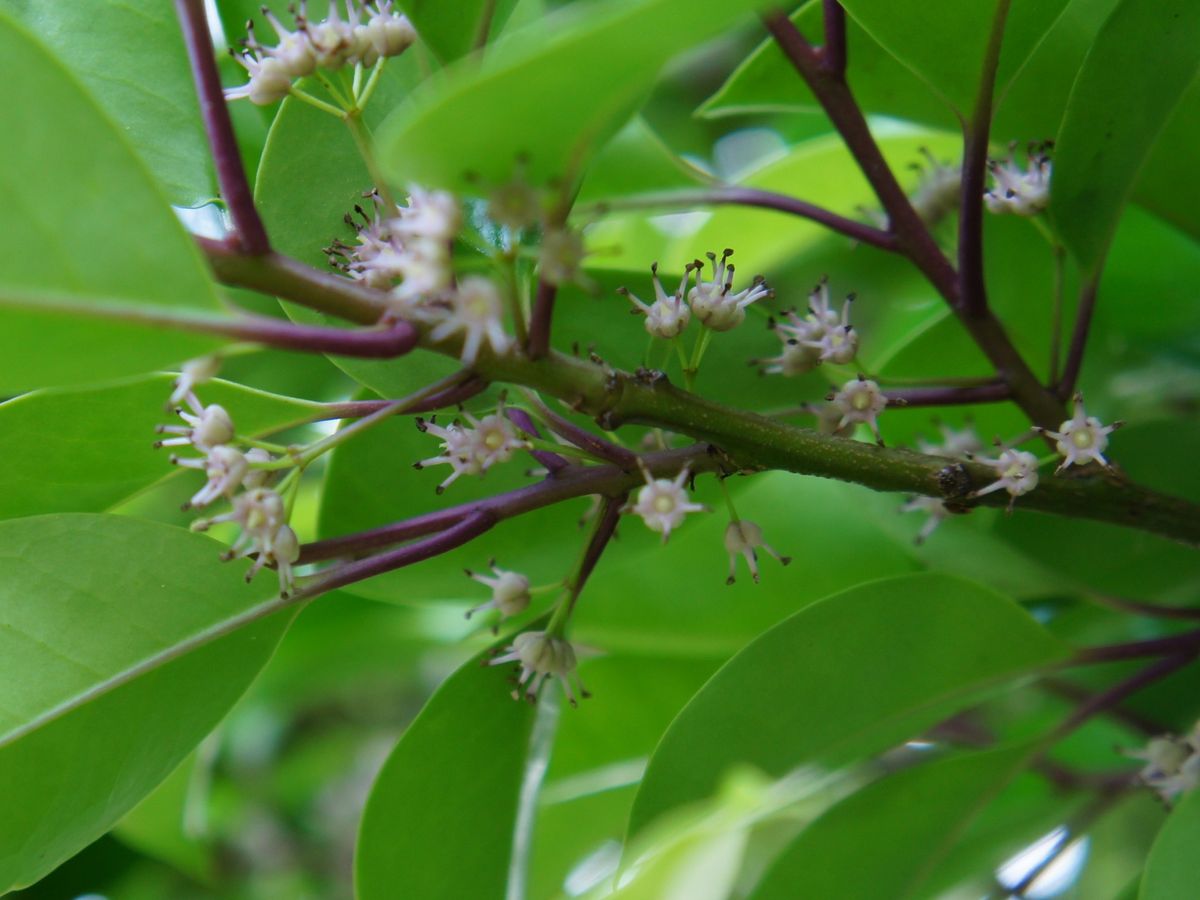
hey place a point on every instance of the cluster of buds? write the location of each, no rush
(820, 336)
(1172, 764)
(474, 447)
(1021, 192)
(1081, 439)
(259, 511)
(714, 303)
(370, 32)
(542, 656)
(960, 444)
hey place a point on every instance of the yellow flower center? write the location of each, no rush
(1082, 439)
(663, 504)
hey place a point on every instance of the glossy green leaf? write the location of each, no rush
(115, 667)
(549, 93)
(456, 773)
(96, 231)
(864, 669)
(1117, 108)
(452, 30)
(636, 161)
(1168, 167)
(943, 41)
(146, 88)
(1171, 867)
(84, 450)
(888, 838)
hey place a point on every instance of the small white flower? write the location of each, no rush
(936, 509)
(1022, 192)
(662, 503)
(386, 33)
(821, 336)
(1018, 474)
(742, 537)
(1164, 756)
(668, 315)
(713, 302)
(262, 515)
(269, 80)
(795, 357)
(476, 310)
(334, 42)
(282, 552)
(207, 427)
(430, 215)
(1082, 438)
(475, 448)
(256, 478)
(961, 444)
(860, 401)
(510, 591)
(560, 258)
(294, 50)
(194, 372)
(225, 467)
(542, 656)
(939, 191)
(1182, 782)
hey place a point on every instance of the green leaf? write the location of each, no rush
(1171, 867)
(116, 664)
(440, 819)
(636, 161)
(1170, 165)
(550, 93)
(943, 41)
(888, 838)
(864, 669)
(86, 450)
(146, 86)
(1117, 108)
(451, 30)
(95, 229)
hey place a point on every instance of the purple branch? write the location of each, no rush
(231, 175)
(1106, 700)
(833, 52)
(1068, 690)
(950, 396)
(1186, 643)
(384, 343)
(467, 529)
(606, 527)
(585, 440)
(451, 396)
(1154, 610)
(552, 461)
(1079, 338)
(972, 290)
(540, 319)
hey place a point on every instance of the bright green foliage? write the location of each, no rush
(1117, 108)
(446, 28)
(113, 676)
(131, 253)
(1171, 867)
(920, 648)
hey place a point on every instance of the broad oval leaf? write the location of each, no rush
(120, 655)
(441, 817)
(1117, 108)
(95, 232)
(147, 88)
(848, 676)
(888, 838)
(1171, 866)
(452, 30)
(87, 449)
(548, 93)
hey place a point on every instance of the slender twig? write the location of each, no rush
(972, 290)
(540, 319)
(1154, 610)
(552, 461)
(1077, 694)
(747, 196)
(460, 392)
(833, 51)
(584, 440)
(231, 174)
(1079, 337)
(606, 527)
(1187, 642)
(949, 396)
(1106, 700)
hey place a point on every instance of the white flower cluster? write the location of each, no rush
(370, 32)
(474, 447)
(820, 336)
(1082, 439)
(714, 303)
(956, 444)
(259, 511)
(1021, 192)
(1172, 764)
(542, 656)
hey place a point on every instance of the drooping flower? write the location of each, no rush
(1021, 192)
(663, 503)
(668, 315)
(282, 552)
(476, 310)
(860, 401)
(194, 372)
(269, 79)
(714, 303)
(386, 33)
(542, 656)
(265, 533)
(743, 537)
(1017, 471)
(1082, 438)
(207, 427)
(510, 591)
